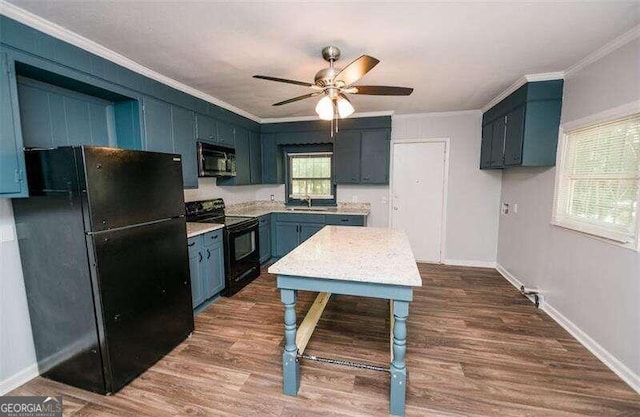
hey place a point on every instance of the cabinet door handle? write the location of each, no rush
(208, 254)
(191, 244)
(344, 220)
(214, 236)
(200, 255)
(365, 178)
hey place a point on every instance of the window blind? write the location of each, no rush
(599, 180)
(311, 175)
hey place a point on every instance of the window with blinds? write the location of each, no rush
(310, 175)
(599, 180)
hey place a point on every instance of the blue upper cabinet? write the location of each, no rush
(522, 130)
(157, 125)
(206, 128)
(255, 151)
(374, 157)
(346, 151)
(243, 159)
(100, 102)
(184, 141)
(272, 160)
(226, 134)
(12, 171)
(362, 157)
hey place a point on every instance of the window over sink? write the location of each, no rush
(310, 178)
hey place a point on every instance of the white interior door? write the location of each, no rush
(418, 196)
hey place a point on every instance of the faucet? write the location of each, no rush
(307, 198)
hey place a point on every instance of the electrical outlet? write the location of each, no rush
(354, 199)
(273, 198)
(6, 233)
(515, 208)
(505, 208)
(383, 200)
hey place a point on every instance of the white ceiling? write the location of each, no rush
(457, 55)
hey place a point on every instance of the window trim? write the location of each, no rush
(606, 236)
(302, 150)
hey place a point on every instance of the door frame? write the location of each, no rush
(443, 220)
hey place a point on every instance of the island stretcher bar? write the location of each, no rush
(366, 262)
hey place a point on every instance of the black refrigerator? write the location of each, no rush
(104, 255)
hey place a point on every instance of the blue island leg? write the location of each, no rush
(290, 365)
(398, 366)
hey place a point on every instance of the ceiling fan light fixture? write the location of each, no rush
(325, 108)
(345, 108)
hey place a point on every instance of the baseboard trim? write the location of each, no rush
(466, 262)
(18, 379)
(627, 375)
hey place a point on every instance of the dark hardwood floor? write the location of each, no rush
(475, 347)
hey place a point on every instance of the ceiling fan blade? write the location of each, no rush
(291, 100)
(380, 90)
(283, 80)
(356, 70)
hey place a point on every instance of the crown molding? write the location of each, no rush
(528, 78)
(312, 118)
(617, 43)
(57, 31)
(438, 114)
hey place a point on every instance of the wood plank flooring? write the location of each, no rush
(475, 348)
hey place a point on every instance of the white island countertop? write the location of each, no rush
(363, 254)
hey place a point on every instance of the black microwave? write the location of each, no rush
(216, 161)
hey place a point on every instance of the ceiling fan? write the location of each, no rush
(335, 83)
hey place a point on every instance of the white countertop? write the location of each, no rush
(195, 229)
(258, 208)
(364, 254)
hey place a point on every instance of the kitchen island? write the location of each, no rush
(368, 262)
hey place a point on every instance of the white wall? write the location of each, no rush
(473, 195)
(17, 355)
(593, 284)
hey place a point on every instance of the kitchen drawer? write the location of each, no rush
(213, 238)
(192, 242)
(299, 218)
(342, 220)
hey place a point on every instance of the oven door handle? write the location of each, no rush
(244, 229)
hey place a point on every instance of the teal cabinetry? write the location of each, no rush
(171, 129)
(264, 232)
(206, 128)
(362, 157)
(12, 171)
(272, 160)
(184, 143)
(374, 158)
(206, 266)
(291, 229)
(255, 151)
(33, 54)
(346, 157)
(226, 134)
(157, 125)
(522, 130)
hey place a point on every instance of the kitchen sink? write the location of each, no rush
(312, 209)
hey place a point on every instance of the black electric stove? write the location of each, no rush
(241, 240)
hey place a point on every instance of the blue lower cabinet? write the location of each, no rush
(286, 237)
(206, 265)
(291, 229)
(264, 233)
(214, 263)
(309, 229)
(195, 269)
(12, 173)
(345, 220)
